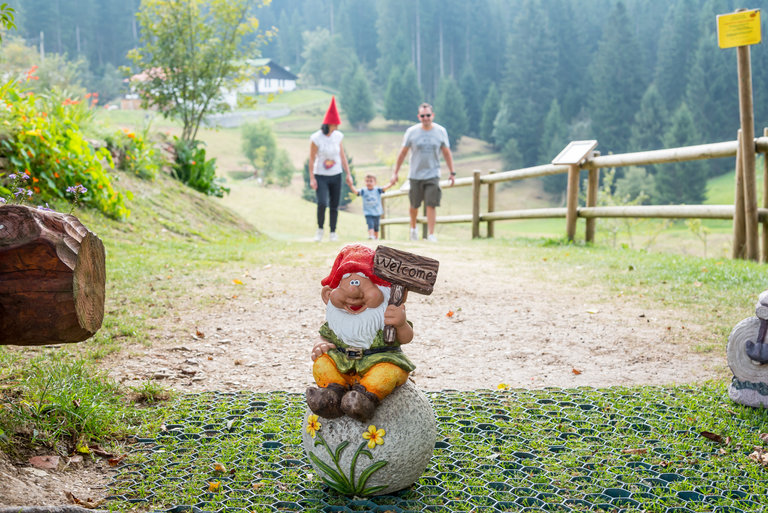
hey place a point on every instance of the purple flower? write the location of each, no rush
(46, 208)
(20, 192)
(2, 201)
(77, 189)
(23, 177)
(12, 176)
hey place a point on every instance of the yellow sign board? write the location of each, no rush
(738, 29)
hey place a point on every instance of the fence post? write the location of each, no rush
(746, 114)
(573, 201)
(476, 204)
(383, 215)
(739, 227)
(592, 187)
(765, 200)
(491, 204)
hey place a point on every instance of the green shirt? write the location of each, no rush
(361, 366)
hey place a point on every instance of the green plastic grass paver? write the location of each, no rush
(618, 449)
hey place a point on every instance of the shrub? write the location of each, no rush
(271, 163)
(192, 169)
(43, 139)
(134, 153)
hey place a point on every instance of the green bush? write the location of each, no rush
(134, 153)
(42, 138)
(271, 163)
(192, 169)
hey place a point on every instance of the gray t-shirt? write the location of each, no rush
(425, 148)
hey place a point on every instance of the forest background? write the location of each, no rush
(525, 75)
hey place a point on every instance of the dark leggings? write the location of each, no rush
(328, 195)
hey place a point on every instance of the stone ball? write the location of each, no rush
(410, 431)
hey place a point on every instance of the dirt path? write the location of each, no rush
(508, 326)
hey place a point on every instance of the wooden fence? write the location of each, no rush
(744, 209)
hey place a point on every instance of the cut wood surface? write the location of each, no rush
(52, 277)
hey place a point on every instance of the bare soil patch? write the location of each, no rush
(488, 323)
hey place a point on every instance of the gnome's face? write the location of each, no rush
(355, 294)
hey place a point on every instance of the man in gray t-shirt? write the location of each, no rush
(426, 141)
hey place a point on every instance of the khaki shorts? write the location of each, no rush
(427, 191)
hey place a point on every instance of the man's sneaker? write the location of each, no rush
(414, 234)
(432, 237)
(334, 237)
(319, 235)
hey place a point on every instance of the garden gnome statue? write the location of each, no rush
(747, 354)
(363, 396)
(353, 367)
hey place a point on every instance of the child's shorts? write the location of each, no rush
(373, 222)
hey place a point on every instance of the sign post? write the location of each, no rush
(571, 156)
(741, 29)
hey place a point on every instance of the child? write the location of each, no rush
(371, 203)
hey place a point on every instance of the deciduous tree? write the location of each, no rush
(189, 50)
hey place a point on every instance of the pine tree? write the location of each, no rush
(528, 87)
(553, 139)
(681, 182)
(356, 98)
(403, 95)
(489, 112)
(392, 96)
(470, 90)
(677, 45)
(449, 106)
(650, 121)
(618, 83)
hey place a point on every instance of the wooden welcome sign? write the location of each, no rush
(406, 271)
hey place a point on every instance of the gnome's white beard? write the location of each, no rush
(357, 330)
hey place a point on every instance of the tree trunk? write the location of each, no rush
(52, 277)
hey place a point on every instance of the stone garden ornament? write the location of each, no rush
(747, 353)
(368, 431)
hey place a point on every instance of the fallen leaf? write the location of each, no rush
(576, 371)
(449, 314)
(258, 485)
(237, 282)
(593, 311)
(713, 436)
(502, 386)
(214, 486)
(83, 449)
(199, 333)
(697, 283)
(113, 462)
(98, 451)
(49, 461)
(89, 504)
(635, 451)
(763, 437)
(219, 467)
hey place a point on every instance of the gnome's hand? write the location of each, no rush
(395, 316)
(321, 347)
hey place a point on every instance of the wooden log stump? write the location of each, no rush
(52, 277)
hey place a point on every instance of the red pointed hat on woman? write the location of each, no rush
(332, 116)
(353, 258)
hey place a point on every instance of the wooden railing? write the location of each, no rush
(744, 235)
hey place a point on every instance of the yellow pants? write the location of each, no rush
(380, 380)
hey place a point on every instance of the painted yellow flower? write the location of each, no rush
(313, 425)
(374, 436)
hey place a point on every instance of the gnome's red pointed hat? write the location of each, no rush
(353, 258)
(332, 116)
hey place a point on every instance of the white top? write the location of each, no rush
(328, 159)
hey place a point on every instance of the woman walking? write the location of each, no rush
(326, 162)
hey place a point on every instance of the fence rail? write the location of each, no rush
(590, 212)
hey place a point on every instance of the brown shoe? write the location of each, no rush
(326, 402)
(359, 403)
